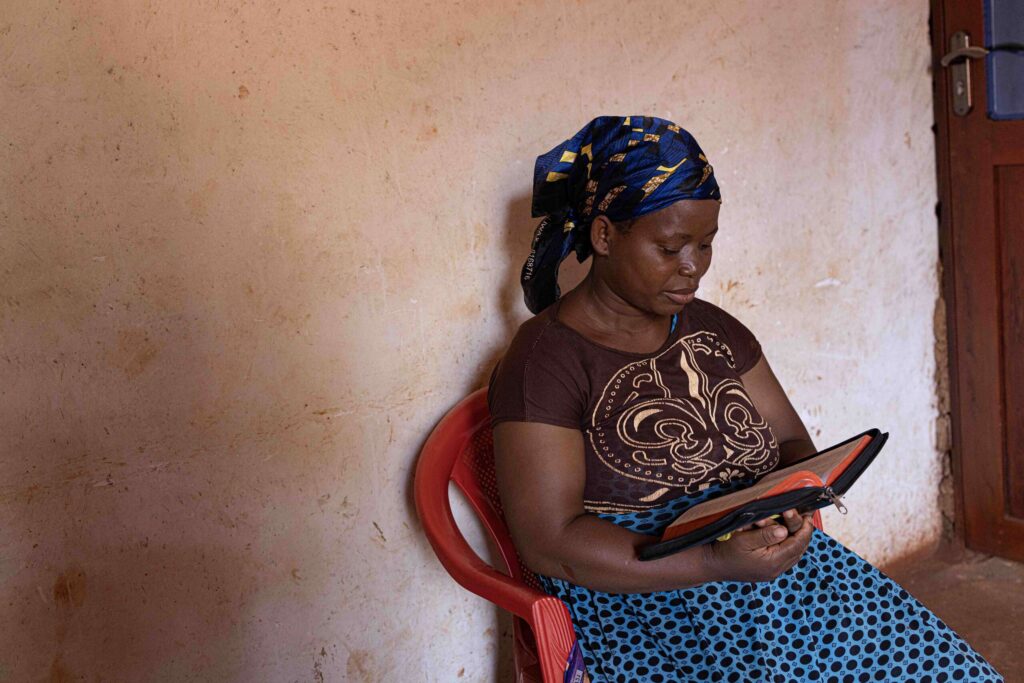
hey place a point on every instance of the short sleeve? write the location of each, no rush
(537, 381)
(746, 349)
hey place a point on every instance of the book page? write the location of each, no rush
(821, 465)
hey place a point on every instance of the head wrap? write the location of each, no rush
(622, 167)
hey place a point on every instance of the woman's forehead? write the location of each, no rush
(687, 217)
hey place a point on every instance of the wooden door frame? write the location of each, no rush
(940, 98)
(974, 384)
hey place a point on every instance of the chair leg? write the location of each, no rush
(524, 652)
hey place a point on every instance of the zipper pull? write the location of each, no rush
(835, 498)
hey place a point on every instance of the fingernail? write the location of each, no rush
(779, 533)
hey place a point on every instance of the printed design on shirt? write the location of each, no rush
(704, 429)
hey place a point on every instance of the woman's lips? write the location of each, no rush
(682, 297)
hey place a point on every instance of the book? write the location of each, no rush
(813, 482)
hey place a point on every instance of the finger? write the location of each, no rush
(792, 547)
(792, 520)
(797, 543)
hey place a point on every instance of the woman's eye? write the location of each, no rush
(666, 250)
(705, 247)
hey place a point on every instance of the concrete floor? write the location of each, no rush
(978, 596)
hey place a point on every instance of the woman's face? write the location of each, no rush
(656, 265)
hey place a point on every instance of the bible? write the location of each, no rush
(813, 482)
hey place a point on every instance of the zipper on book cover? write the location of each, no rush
(846, 479)
(828, 494)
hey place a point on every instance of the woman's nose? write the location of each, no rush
(688, 268)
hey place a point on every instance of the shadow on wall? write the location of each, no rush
(507, 296)
(508, 292)
(518, 235)
(517, 232)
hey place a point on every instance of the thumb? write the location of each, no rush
(764, 536)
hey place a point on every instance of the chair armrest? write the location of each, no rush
(553, 631)
(547, 616)
(471, 572)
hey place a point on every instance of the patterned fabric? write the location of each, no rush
(831, 618)
(655, 425)
(622, 167)
(677, 422)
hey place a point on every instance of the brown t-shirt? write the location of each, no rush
(655, 425)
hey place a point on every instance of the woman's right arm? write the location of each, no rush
(541, 473)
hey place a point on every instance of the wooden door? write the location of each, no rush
(981, 210)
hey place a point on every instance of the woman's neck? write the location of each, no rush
(597, 312)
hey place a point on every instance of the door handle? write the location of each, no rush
(957, 61)
(962, 54)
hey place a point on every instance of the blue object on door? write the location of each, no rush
(1004, 24)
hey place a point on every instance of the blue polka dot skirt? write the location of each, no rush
(832, 618)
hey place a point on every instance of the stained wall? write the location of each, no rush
(251, 252)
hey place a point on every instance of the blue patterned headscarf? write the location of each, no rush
(622, 167)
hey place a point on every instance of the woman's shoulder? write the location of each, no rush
(540, 378)
(540, 336)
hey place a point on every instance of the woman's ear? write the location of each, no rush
(601, 234)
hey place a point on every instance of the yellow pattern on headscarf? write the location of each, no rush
(667, 171)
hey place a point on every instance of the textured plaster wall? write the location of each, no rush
(251, 252)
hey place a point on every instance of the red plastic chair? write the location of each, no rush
(460, 449)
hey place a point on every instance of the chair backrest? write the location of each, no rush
(460, 450)
(473, 474)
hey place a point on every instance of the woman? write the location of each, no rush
(628, 400)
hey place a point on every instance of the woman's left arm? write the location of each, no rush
(771, 401)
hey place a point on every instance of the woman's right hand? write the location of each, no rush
(759, 554)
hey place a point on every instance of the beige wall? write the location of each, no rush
(251, 252)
